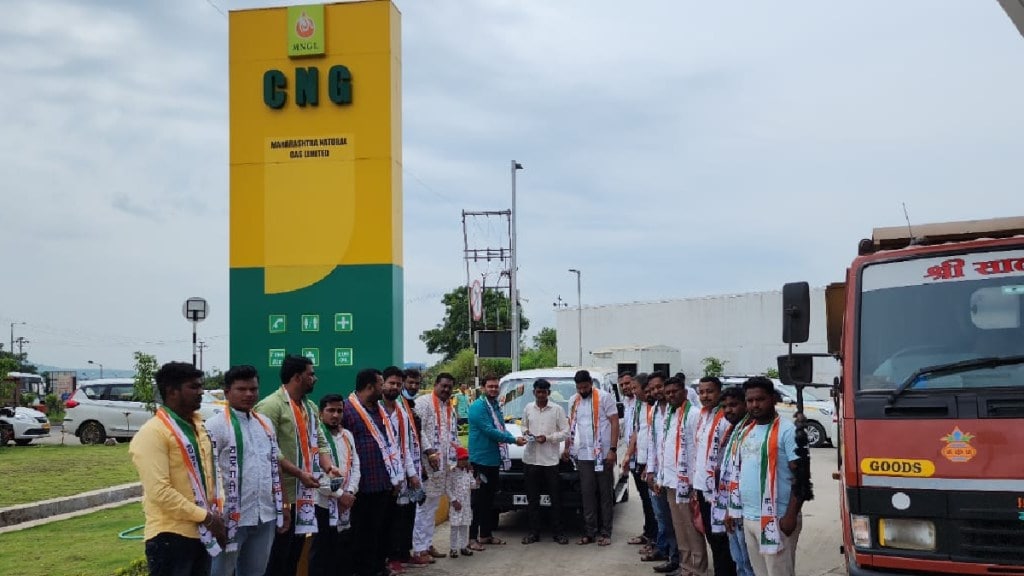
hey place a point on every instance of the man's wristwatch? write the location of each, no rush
(613, 449)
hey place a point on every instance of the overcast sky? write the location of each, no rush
(671, 149)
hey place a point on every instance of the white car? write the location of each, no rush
(106, 408)
(26, 424)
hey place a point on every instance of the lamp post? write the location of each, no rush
(13, 324)
(98, 364)
(513, 288)
(579, 313)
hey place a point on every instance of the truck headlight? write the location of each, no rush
(906, 534)
(861, 528)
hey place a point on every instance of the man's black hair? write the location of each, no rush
(444, 376)
(712, 379)
(734, 392)
(293, 365)
(366, 378)
(413, 373)
(243, 372)
(393, 371)
(582, 376)
(173, 375)
(541, 384)
(657, 374)
(329, 398)
(760, 382)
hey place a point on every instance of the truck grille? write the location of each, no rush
(996, 541)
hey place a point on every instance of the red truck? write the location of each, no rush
(929, 330)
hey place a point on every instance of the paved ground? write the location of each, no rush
(818, 552)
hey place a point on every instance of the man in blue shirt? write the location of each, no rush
(488, 451)
(771, 510)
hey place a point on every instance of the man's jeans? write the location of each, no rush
(169, 554)
(666, 540)
(738, 550)
(253, 551)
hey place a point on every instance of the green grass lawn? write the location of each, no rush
(83, 546)
(32, 473)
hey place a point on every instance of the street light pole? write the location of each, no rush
(98, 364)
(11, 349)
(579, 313)
(513, 272)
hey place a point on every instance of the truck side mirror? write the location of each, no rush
(796, 369)
(796, 312)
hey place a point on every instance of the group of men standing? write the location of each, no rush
(364, 475)
(240, 493)
(715, 471)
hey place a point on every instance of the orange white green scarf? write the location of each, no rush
(727, 498)
(232, 480)
(595, 409)
(307, 459)
(387, 445)
(202, 486)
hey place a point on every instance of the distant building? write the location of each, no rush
(745, 330)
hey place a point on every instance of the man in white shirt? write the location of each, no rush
(711, 432)
(439, 441)
(675, 474)
(665, 548)
(244, 445)
(635, 459)
(593, 441)
(545, 427)
(331, 552)
(629, 403)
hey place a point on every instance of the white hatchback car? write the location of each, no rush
(106, 408)
(26, 424)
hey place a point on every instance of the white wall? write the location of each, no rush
(744, 329)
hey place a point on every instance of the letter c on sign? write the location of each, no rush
(274, 83)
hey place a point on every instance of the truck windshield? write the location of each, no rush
(930, 312)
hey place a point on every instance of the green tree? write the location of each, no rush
(546, 338)
(145, 382)
(213, 380)
(772, 373)
(713, 366)
(452, 334)
(7, 364)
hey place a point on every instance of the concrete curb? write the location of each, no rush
(22, 513)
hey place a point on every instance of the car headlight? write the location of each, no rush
(906, 534)
(861, 528)
(825, 411)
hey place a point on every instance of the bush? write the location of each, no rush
(28, 399)
(136, 568)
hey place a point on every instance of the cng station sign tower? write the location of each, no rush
(316, 190)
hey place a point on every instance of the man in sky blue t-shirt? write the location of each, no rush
(772, 550)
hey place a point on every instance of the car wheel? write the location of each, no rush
(92, 433)
(816, 436)
(23, 441)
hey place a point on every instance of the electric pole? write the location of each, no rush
(201, 345)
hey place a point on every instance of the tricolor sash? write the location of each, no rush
(595, 407)
(387, 445)
(307, 459)
(188, 444)
(506, 462)
(233, 480)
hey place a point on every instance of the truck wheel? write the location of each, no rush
(816, 436)
(92, 433)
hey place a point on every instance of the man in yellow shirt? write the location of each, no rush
(174, 457)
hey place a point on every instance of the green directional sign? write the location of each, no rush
(313, 354)
(276, 356)
(343, 322)
(342, 356)
(310, 322)
(277, 323)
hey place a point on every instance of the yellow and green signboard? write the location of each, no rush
(316, 197)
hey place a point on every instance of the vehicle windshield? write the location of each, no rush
(809, 396)
(516, 394)
(936, 311)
